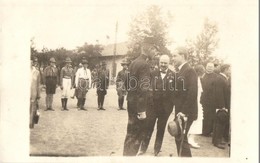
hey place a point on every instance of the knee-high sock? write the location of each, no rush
(83, 101)
(51, 100)
(47, 101)
(65, 103)
(99, 101)
(62, 103)
(102, 100)
(122, 101)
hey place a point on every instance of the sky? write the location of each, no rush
(69, 24)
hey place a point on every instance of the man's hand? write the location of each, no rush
(224, 109)
(185, 118)
(141, 116)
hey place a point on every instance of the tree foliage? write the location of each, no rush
(89, 51)
(202, 48)
(150, 27)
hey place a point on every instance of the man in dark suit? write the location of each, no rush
(223, 106)
(185, 96)
(102, 85)
(137, 84)
(208, 99)
(163, 87)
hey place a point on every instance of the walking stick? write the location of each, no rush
(182, 137)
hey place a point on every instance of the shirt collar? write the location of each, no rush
(224, 75)
(165, 70)
(181, 65)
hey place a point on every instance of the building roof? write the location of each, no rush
(121, 49)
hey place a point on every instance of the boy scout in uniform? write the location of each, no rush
(50, 80)
(66, 76)
(120, 84)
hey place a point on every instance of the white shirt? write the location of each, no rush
(84, 74)
(163, 74)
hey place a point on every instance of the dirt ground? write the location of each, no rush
(96, 133)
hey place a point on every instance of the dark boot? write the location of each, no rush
(98, 101)
(122, 103)
(119, 103)
(65, 104)
(79, 103)
(62, 104)
(102, 102)
(82, 104)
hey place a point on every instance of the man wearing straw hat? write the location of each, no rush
(82, 81)
(66, 75)
(50, 80)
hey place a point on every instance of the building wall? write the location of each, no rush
(109, 62)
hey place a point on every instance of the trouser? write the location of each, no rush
(81, 102)
(121, 101)
(227, 130)
(49, 100)
(161, 115)
(186, 152)
(100, 100)
(221, 120)
(135, 128)
(66, 83)
(33, 109)
(208, 120)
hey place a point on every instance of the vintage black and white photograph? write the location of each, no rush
(143, 79)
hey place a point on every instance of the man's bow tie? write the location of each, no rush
(163, 72)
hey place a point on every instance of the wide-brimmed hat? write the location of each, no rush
(103, 63)
(52, 60)
(125, 62)
(68, 60)
(84, 61)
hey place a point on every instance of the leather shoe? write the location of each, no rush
(156, 153)
(219, 146)
(194, 145)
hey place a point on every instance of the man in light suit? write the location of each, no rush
(162, 81)
(185, 96)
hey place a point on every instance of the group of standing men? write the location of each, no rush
(152, 95)
(68, 79)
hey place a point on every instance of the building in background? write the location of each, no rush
(108, 56)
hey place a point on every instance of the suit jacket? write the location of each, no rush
(138, 83)
(163, 89)
(208, 96)
(222, 93)
(186, 92)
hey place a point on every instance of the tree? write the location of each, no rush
(34, 52)
(150, 27)
(90, 52)
(201, 50)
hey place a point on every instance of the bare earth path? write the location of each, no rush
(96, 133)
